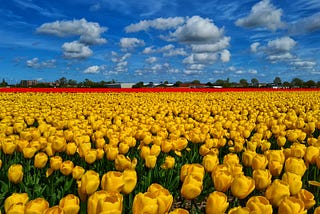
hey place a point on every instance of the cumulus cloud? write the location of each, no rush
(303, 64)
(254, 47)
(280, 57)
(283, 44)
(130, 43)
(36, 63)
(225, 56)
(220, 45)
(89, 32)
(167, 51)
(192, 72)
(121, 63)
(201, 58)
(263, 14)
(76, 50)
(197, 30)
(94, 69)
(151, 60)
(159, 23)
(305, 25)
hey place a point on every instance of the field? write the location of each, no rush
(159, 150)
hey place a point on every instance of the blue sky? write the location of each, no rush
(159, 40)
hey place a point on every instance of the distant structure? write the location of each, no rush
(120, 85)
(28, 83)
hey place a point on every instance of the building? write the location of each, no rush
(28, 83)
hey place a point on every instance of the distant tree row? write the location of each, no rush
(243, 83)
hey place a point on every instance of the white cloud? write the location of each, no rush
(305, 64)
(202, 58)
(175, 52)
(280, 57)
(167, 50)
(159, 23)
(89, 32)
(151, 60)
(121, 63)
(149, 50)
(95, 69)
(254, 47)
(192, 72)
(197, 30)
(252, 71)
(306, 25)
(263, 14)
(283, 44)
(225, 56)
(196, 67)
(35, 63)
(130, 43)
(76, 50)
(220, 45)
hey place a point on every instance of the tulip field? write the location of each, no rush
(157, 151)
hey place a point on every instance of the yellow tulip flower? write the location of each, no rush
(259, 205)
(260, 161)
(217, 202)
(111, 204)
(168, 163)
(40, 160)
(66, 167)
(54, 210)
(77, 172)
(242, 186)
(15, 173)
(15, 198)
(36, 206)
(262, 178)
(291, 205)
(307, 198)
(277, 191)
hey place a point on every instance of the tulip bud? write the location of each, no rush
(262, 178)
(210, 162)
(242, 186)
(247, 157)
(151, 161)
(307, 198)
(294, 181)
(277, 191)
(222, 180)
(291, 205)
(55, 162)
(70, 204)
(77, 172)
(122, 162)
(217, 202)
(259, 162)
(130, 180)
(89, 184)
(15, 173)
(179, 211)
(112, 181)
(111, 204)
(191, 187)
(54, 210)
(295, 165)
(168, 163)
(29, 151)
(36, 206)
(40, 160)
(71, 148)
(239, 210)
(259, 204)
(90, 156)
(15, 198)
(66, 167)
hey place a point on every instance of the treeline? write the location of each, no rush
(243, 83)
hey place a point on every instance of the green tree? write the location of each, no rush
(138, 85)
(277, 81)
(310, 83)
(195, 82)
(297, 82)
(177, 84)
(243, 83)
(255, 82)
(3, 83)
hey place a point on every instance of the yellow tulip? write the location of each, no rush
(150, 161)
(242, 186)
(130, 180)
(112, 181)
(275, 168)
(90, 156)
(29, 151)
(166, 146)
(70, 204)
(239, 210)
(247, 157)
(15, 173)
(291, 205)
(259, 162)
(209, 162)
(307, 198)
(54, 210)
(311, 154)
(165, 199)
(217, 202)
(8, 147)
(71, 148)
(222, 180)
(36, 206)
(277, 191)
(15, 198)
(77, 172)
(294, 181)
(191, 187)
(144, 151)
(111, 204)
(100, 153)
(295, 165)
(59, 144)
(122, 162)
(88, 184)
(262, 178)
(316, 210)
(281, 141)
(179, 211)
(298, 150)
(155, 150)
(231, 158)
(94, 199)
(0, 163)
(66, 167)
(168, 163)
(145, 203)
(55, 162)
(40, 160)
(259, 205)
(16, 209)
